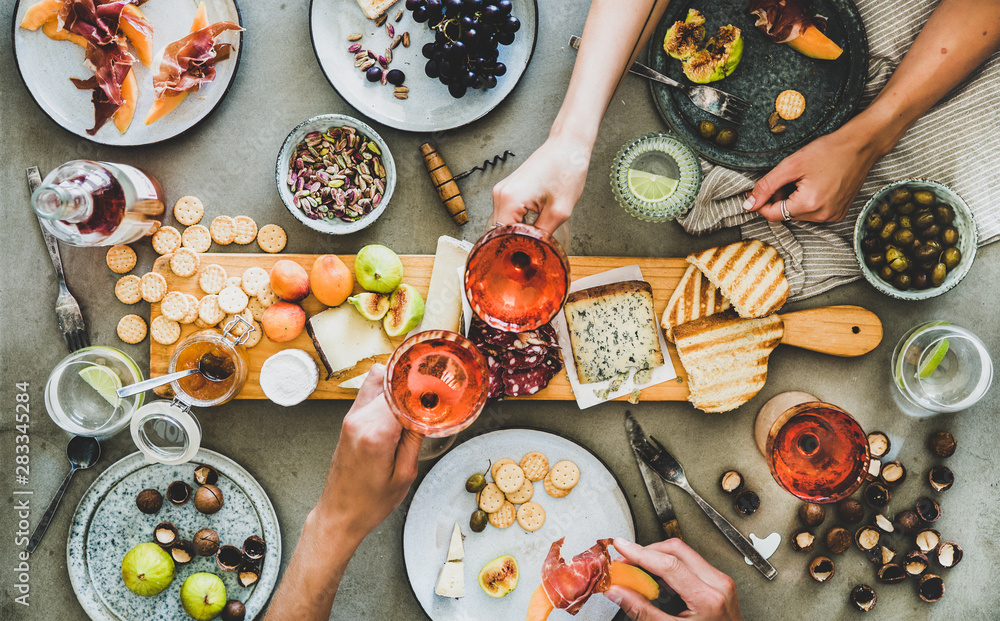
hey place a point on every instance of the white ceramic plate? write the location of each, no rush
(46, 67)
(107, 525)
(596, 508)
(429, 108)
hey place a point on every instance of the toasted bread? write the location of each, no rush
(374, 8)
(613, 329)
(750, 273)
(726, 358)
(695, 297)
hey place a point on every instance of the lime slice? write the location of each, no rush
(105, 381)
(905, 348)
(650, 187)
(932, 359)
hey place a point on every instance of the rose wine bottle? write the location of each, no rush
(85, 203)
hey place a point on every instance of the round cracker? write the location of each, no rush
(235, 281)
(212, 278)
(790, 105)
(238, 328)
(209, 310)
(535, 466)
(523, 494)
(153, 287)
(175, 305)
(165, 331)
(504, 516)
(184, 262)
(531, 516)
(509, 478)
(202, 325)
(188, 210)
(491, 498)
(166, 240)
(497, 465)
(246, 230)
(271, 238)
(552, 490)
(223, 230)
(196, 238)
(132, 329)
(121, 259)
(192, 313)
(565, 474)
(254, 337)
(267, 296)
(256, 308)
(255, 278)
(127, 289)
(233, 300)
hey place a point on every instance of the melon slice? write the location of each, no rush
(622, 575)
(53, 31)
(539, 606)
(814, 44)
(40, 13)
(130, 93)
(163, 107)
(142, 42)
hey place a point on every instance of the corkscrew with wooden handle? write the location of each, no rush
(444, 181)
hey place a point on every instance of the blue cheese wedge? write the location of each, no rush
(343, 338)
(612, 330)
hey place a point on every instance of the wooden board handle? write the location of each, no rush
(837, 330)
(444, 183)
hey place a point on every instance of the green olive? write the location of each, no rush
(923, 219)
(888, 229)
(904, 237)
(950, 236)
(905, 222)
(475, 483)
(885, 210)
(707, 129)
(926, 254)
(478, 521)
(944, 214)
(935, 244)
(938, 275)
(931, 232)
(874, 221)
(921, 280)
(924, 197)
(875, 260)
(871, 244)
(885, 273)
(901, 282)
(892, 253)
(907, 208)
(900, 196)
(725, 137)
(901, 264)
(952, 257)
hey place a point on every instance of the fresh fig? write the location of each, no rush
(684, 37)
(719, 59)
(372, 306)
(499, 577)
(406, 310)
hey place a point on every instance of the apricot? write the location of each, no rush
(289, 280)
(331, 280)
(283, 321)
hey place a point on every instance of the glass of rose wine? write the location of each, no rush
(436, 383)
(517, 277)
(816, 451)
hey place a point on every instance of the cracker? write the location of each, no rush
(132, 329)
(127, 289)
(552, 490)
(202, 325)
(491, 498)
(255, 336)
(196, 238)
(238, 328)
(790, 105)
(209, 310)
(121, 259)
(271, 238)
(565, 474)
(192, 313)
(256, 308)
(504, 516)
(522, 494)
(212, 278)
(153, 287)
(235, 281)
(246, 230)
(233, 300)
(184, 262)
(535, 466)
(165, 331)
(509, 478)
(255, 278)
(223, 230)
(188, 210)
(497, 464)
(530, 516)
(166, 240)
(267, 296)
(175, 305)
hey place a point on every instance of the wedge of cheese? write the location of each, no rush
(443, 308)
(343, 338)
(451, 578)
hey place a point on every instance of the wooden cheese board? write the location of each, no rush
(842, 331)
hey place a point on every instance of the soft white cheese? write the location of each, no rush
(451, 580)
(456, 551)
(289, 377)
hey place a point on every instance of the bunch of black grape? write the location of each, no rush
(467, 36)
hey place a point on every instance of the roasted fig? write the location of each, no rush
(684, 37)
(719, 58)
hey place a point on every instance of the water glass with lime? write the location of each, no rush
(80, 392)
(656, 178)
(941, 367)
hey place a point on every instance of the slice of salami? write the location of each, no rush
(514, 360)
(545, 336)
(495, 378)
(523, 383)
(552, 365)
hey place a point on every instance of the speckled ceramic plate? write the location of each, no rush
(832, 88)
(46, 67)
(429, 108)
(107, 525)
(596, 508)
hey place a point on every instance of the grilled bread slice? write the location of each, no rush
(374, 8)
(750, 273)
(695, 297)
(726, 357)
(613, 329)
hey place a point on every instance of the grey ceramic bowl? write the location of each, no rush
(322, 123)
(968, 238)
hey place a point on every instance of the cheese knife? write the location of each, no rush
(654, 484)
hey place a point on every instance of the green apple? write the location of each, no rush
(378, 269)
(147, 569)
(203, 596)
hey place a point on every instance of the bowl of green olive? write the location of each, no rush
(915, 239)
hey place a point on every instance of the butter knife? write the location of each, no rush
(654, 484)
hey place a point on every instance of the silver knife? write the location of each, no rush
(654, 484)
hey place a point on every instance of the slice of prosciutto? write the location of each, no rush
(190, 62)
(97, 23)
(111, 64)
(569, 585)
(784, 20)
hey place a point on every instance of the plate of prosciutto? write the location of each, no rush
(117, 73)
(541, 541)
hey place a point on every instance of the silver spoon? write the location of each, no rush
(83, 452)
(213, 367)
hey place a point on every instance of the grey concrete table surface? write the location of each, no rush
(228, 162)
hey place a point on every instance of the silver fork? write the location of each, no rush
(711, 100)
(653, 453)
(67, 309)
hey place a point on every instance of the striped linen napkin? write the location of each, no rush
(956, 143)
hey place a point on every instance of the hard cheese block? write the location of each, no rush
(343, 338)
(613, 329)
(443, 308)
